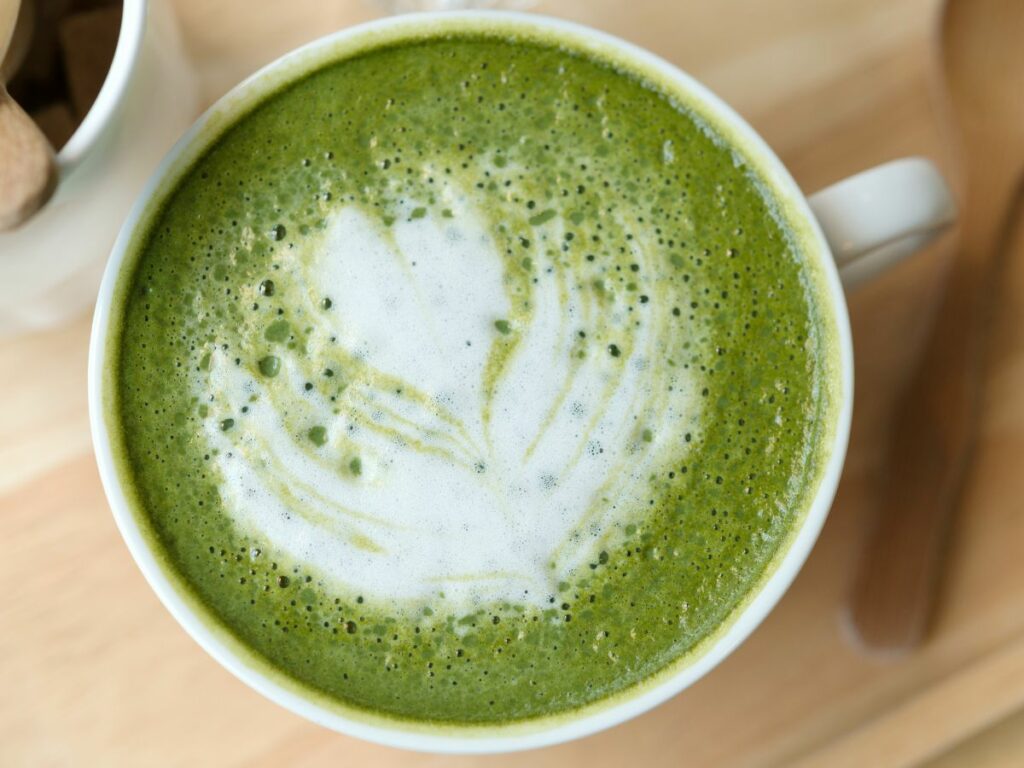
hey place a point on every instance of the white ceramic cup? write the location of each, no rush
(865, 222)
(51, 266)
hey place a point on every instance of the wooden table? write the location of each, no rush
(93, 671)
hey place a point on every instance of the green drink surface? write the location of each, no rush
(601, 196)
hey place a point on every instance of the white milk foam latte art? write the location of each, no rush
(462, 450)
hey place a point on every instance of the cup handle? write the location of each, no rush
(878, 217)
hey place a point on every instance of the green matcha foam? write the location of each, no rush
(472, 381)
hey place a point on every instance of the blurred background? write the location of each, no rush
(93, 671)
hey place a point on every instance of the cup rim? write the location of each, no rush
(113, 90)
(544, 731)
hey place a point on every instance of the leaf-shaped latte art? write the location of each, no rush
(446, 418)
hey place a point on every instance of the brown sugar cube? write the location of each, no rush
(88, 41)
(56, 122)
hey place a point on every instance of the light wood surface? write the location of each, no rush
(933, 434)
(93, 671)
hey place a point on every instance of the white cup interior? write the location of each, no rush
(100, 115)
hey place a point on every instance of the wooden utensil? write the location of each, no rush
(28, 173)
(982, 66)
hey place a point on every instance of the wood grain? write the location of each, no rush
(998, 747)
(896, 585)
(93, 671)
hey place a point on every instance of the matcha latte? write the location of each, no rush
(472, 379)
